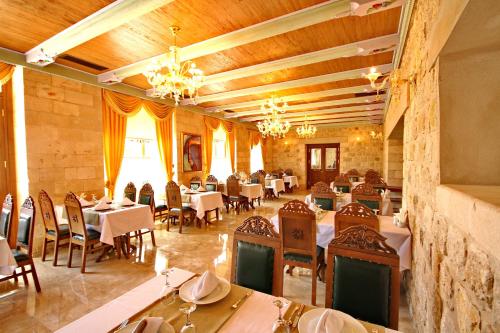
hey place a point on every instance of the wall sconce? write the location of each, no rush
(376, 136)
(394, 77)
(372, 77)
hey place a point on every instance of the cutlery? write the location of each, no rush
(140, 327)
(297, 317)
(291, 318)
(123, 324)
(238, 302)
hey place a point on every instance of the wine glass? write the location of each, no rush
(280, 325)
(167, 293)
(187, 309)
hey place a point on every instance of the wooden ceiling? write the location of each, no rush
(317, 87)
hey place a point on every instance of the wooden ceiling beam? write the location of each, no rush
(102, 21)
(336, 121)
(375, 114)
(308, 81)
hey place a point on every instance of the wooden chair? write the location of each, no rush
(288, 188)
(80, 235)
(362, 279)
(288, 172)
(365, 193)
(355, 214)
(233, 197)
(256, 262)
(298, 239)
(54, 232)
(130, 191)
(343, 184)
(375, 180)
(24, 245)
(258, 178)
(211, 184)
(146, 197)
(323, 196)
(6, 217)
(176, 209)
(195, 183)
(278, 173)
(353, 175)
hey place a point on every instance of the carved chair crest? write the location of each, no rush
(195, 179)
(342, 179)
(353, 172)
(7, 202)
(364, 238)
(321, 188)
(211, 179)
(357, 210)
(289, 172)
(146, 189)
(296, 207)
(365, 189)
(130, 188)
(257, 225)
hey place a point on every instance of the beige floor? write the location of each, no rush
(67, 294)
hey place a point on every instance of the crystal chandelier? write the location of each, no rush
(306, 130)
(169, 77)
(274, 125)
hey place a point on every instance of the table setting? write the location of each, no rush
(202, 201)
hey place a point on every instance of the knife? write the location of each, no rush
(297, 317)
(238, 302)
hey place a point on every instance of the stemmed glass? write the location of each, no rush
(280, 325)
(166, 293)
(187, 309)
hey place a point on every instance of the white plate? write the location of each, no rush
(221, 291)
(164, 328)
(309, 320)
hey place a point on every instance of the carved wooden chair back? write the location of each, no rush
(262, 172)
(278, 174)
(297, 228)
(342, 183)
(26, 226)
(323, 196)
(365, 248)
(233, 186)
(6, 216)
(130, 191)
(376, 181)
(195, 183)
(289, 172)
(174, 199)
(365, 193)
(211, 183)
(354, 214)
(47, 212)
(256, 239)
(75, 215)
(147, 196)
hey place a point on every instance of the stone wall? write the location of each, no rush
(453, 280)
(393, 162)
(357, 149)
(63, 138)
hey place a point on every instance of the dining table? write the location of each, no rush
(7, 262)
(277, 186)
(346, 198)
(290, 183)
(242, 310)
(203, 202)
(397, 237)
(248, 190)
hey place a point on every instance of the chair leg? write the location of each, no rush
(153, 237)
(35, 277)
(56, 252)
(70, 254)
(314, 283)
(84, 258)
(168, 221)
(181, 222)
(25, 275)
(217, 214)
(44, 248)
(15, 276)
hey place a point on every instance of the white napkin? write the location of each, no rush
(183, 188)
(105, 199)
(84, 202)
(201, 189)
(284, 175)
(153, 324)
(102, 205)
(329, 323)
(386, 194)
(127, 202)
(205, 285)
(268, 176)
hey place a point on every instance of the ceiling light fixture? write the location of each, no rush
(306, 130)
(274, 125)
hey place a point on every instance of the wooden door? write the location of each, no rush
(323, 162)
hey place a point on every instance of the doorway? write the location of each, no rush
(323, 163)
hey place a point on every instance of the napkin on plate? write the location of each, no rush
(204, 285)
(201, 189)
(329, 323)
(152, 325)
(105, 199)
(84, 202)
(183, 187)
(102, 205)
(127, 202)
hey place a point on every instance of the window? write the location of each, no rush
(256, 162)
(221, 159)
(141, 159)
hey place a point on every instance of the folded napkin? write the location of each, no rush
(152, 325)
(268, 176)
(205, 285)
(84, 202)
(183, 187)
(329, 323)
(201, 189)
(127, 202)
(105, 199)
(386, 193)
(102, 205)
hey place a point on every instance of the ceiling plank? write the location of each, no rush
(341, 115)
(362, 48)
(336, 121)
(308, 81)
(100, 22)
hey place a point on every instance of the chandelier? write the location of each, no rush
(169, 77)
(372, 77)
(306, 130)
(274, 125)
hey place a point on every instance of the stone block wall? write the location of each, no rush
(63, 138)
(357, 149)
(393, 162)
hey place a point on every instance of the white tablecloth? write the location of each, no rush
(293, 180)
(387, 209)
(398, 238)
(278, 185)
(203, 202)
(251, 191)
(7, 261)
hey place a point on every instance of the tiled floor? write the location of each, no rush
(67, 294)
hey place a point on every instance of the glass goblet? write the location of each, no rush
(187, 309)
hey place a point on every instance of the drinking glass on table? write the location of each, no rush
(187, 309)
(167, 293)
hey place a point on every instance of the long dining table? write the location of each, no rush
(254, 313)
(203, 202)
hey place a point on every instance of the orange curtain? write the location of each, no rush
(6, 72)
(116, 108)
(255, 139)
(211, 125)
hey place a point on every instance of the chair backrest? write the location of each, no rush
(355, 214)
(195, 183)
(147, 196)
(75, 215)
(258, 178)
(289, 172)
(233, 186)
(278, 173)
(323, 196)
(47, 211)
(342, 183)
(256, 261)
(130, 191)
(362, 277)
(174, 199)
(6, 216)
(365, 193)
(297, 228)
(26, 226)
(262, 172)
(353, 175)
(211, 183)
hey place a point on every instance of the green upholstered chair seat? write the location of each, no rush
(211, 187)
(20, 256)
(254, 267)
(254, 180)
(344, 188)
(91, 235)
(4, 222)
(324, 203)
(63, 230)
(235, 198)
(194, 186)
(144, 199)
(23, 229)
(362, 289)
(303, 258)
(370, 204)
